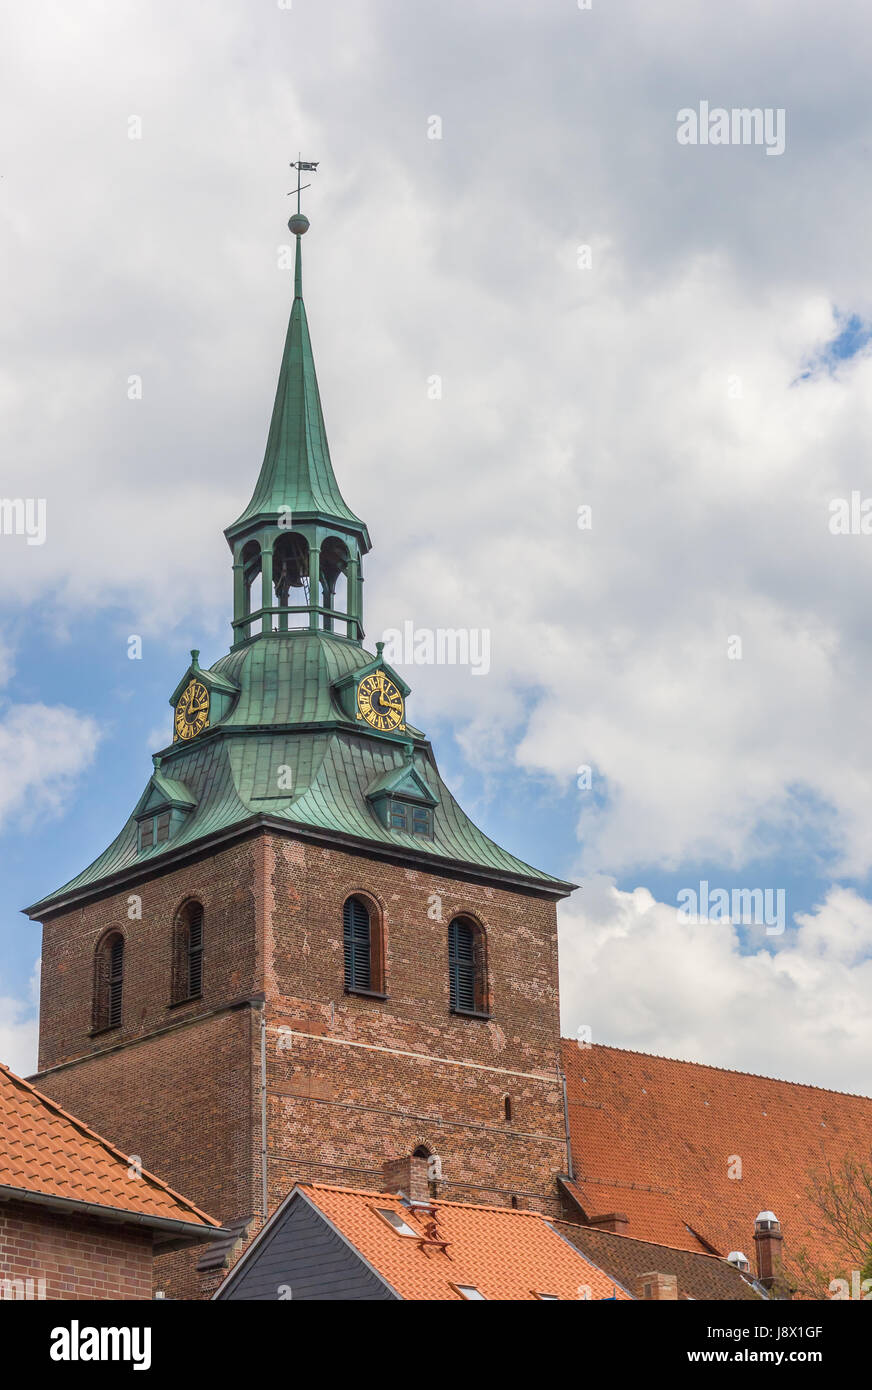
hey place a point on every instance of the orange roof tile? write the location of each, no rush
(504, 1253)
(44, 1150)
(641, 1122)
(645, 1207)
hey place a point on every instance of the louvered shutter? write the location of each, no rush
(461, 966)
(195, 951)
(116, 980)
(356, 933)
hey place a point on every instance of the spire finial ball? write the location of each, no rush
(298, 224)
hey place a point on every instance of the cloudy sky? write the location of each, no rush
(673, 336)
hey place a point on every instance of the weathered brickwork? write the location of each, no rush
(224, 882)
(351, 1080)
(182, 1101)
(58, 1256)
(378, 1077)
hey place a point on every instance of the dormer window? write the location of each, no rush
(163, 807)
(154, 830)
(402, 799)
(404, 815)
(422, 820)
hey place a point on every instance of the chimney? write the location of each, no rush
(407, 1175)
(614, 1221)
(767, 1238)
(657, 1287)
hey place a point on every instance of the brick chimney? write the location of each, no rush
(407, 1175)
(614, 1221)
(767, 1238)
(657, 1287)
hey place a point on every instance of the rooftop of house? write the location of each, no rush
(699, 1275)
(50, 1158)
(691, 1153)
(501, 1253)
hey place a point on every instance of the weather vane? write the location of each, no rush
(306, 166)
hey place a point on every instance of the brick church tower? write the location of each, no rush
(300, 958)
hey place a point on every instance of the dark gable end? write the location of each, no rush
(299, 1255)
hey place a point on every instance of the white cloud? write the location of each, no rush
(617, 386)
(796, 1008)
(43, 750)
(19, 1029)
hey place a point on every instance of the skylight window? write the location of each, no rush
(470, 1292)
(398, 1221)
(547, 1297)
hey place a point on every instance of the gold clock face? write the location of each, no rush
(380, 703)
(192, 711)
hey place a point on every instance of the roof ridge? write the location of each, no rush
(640, 1240)
(117, 1153)
(436, 1201)
(732, 1071)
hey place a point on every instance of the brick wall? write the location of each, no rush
(182, 1101)
(77, 1257)
(224, 882)
(351, 1081)
(375, 1078)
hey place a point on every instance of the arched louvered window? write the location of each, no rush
(108, 982)
(188, 954)
(357, 937)
(363, 940)
(467, 968)
(195, 950)
(116, 981)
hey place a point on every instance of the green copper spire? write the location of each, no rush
(297, 548)
(297, 472)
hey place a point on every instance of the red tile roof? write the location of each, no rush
(505, 1254)
(653, 1214)
(654, 1138)
(45, 1151)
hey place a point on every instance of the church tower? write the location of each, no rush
(300, 959)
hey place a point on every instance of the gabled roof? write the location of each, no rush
(656, 1139)
(404, 780)
(699, 1276)
(214, 680)
(48, 1156)
(505, 1254)
(164, 791)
